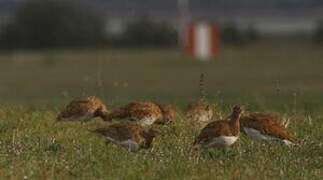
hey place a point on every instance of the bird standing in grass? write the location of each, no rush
(266, 127)
(131, 136)
(200, 112)
(143, 113)
(221, 133)
(82, 109)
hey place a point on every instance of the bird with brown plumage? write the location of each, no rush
(130, 136)
(266, 127)
(83, 108)
(220, 133)
(169, 114)
(144, 113)
(200, 112)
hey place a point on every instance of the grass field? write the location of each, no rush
(279, 76)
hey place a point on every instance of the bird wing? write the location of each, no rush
(119, 132)
(212, 130)
(267, 124)
(278, 131)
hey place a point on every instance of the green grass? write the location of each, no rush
(250, 72)
(33, 145)
(35, 85)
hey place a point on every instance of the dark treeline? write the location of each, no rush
(231, 34)
(200, 4)
(207, 4)
(318, 33)
(53, 23)
(145, 32)
(68, 23)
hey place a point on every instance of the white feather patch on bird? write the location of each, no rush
(203, 118)
(257, 135)
(288, 143)
(222, 141)
(128, 144)
(147, 121)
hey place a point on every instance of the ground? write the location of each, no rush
(276, 76)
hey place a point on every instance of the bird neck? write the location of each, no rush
(103, 115)
(235, 122)
(163, 110)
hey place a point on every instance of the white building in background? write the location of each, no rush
(270, 21)
(116, 26)
(276, 26)
(266, 21)
(286, 26)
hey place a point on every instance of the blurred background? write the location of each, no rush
(263, 53)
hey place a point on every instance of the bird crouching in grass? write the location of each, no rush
(84, 108)
(266, 127)
(169, 114)
(141, 112)
(130, 136)
(200, 112)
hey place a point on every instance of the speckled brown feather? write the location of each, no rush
(215, 129)
(267, 124)
(86, 107)
(199, 112)
(136, 111)
(169, 114)
(126, 131)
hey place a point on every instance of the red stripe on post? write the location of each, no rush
(190, 40)
(215, 39)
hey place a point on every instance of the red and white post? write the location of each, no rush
(202, 41)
